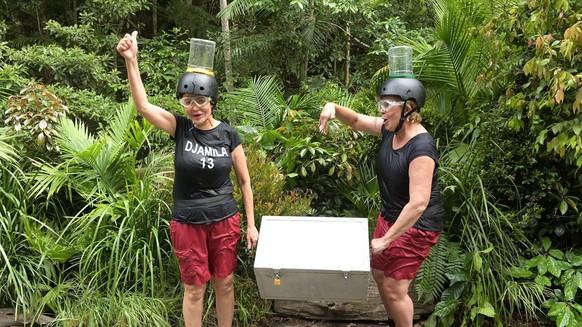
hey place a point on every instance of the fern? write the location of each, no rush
(431, 279)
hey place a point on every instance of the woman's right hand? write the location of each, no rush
(327, 113)
(127, 46)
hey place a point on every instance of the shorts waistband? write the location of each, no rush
(188, 203)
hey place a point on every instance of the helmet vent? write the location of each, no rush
(202, 88)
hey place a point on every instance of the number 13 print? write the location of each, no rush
(207, 162)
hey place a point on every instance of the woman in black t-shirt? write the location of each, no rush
(205, 225)
(411, 217)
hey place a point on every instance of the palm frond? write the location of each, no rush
(49, 179)
(118, 127)
(313, 35)
(250, 45)
(92, 166)
(236, 8)
(261, 104)
(73, 137)
(7, 152)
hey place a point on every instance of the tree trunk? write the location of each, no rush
(348, 45)
(155, 17)
(303, 74)
(226, 46)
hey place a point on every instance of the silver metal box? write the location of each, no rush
(313, 258)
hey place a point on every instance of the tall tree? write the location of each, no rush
(226, 47)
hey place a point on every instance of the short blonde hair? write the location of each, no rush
(415, 116)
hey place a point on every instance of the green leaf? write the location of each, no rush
(553, 267)
(331, 170)
(519, 272)
(431, 321)
(534, 262)
(445, 308)
(577, 306)
(487, 250)
(487, 310)
(453, 292)
(562, 314)
(546, 242)
(457, 277)
(576, 261)
(563, 207)
(542, 136)
(558, 254)
(543, 265)
(543, 280)
(570, 289)
(477, 261)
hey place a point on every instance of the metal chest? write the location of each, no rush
(313, 258)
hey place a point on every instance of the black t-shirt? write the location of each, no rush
(392, 171)
(202, 163)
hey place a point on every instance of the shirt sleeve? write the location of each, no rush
(235, 139)
(179, 127)
(424, 147)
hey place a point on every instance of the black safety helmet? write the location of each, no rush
(405, 88)
(198, 83)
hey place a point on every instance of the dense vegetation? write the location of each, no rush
(85, 184)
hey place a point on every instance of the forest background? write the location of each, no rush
(85, 183)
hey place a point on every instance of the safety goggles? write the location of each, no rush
(199, 101)
(384, 104)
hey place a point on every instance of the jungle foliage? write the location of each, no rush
(85, 183)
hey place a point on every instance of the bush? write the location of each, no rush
(34, 113)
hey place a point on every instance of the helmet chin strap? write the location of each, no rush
(404, 116)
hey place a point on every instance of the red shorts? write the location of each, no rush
(403, 258)
(206, 250)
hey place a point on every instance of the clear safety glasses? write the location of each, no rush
(199, 101)
(384, 104)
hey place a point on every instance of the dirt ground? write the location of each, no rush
(297, 322)
(276, 321)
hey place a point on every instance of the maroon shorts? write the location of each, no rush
(205, 251)
(403, 258)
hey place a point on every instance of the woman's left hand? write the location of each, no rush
(327, 114)
(379, 245)
(252, 237)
